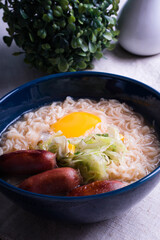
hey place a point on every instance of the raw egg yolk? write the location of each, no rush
(75, 124)
(71, 148)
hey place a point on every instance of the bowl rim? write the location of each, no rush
(90, 197)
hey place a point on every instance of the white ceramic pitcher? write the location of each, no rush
(139, 24)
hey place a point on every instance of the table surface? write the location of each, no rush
(139, 223)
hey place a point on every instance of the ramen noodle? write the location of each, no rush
(104, 118)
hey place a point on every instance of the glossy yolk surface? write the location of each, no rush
(75, 124)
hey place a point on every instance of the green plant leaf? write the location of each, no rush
(82, 65)
(19, 39)
(92, 47)
(63, 65)
(111, 47)
(107, 36)
(17, 53)
(46, 46)
(81, 53)
(110, 20)
(42, 33)
(84, 46)
(71, 19)
(47, 17)
(31, 37)
(8, 40)
(98, 55)
(23, 14)
(94, 38)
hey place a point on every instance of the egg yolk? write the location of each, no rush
(71, 148)
(75, 124)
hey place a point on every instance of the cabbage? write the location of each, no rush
(56, 144)
(93, 154)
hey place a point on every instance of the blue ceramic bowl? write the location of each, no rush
(93, 85)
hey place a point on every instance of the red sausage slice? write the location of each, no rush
(57, 181)
(27, 162)
(96, 187)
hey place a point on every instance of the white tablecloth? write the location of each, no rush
(142, 221)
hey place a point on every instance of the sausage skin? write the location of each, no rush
(26, 162)
(96, 187)
(57, 181)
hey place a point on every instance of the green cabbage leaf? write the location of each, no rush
(92, 156)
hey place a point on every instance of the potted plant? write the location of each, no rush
(62, 35)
